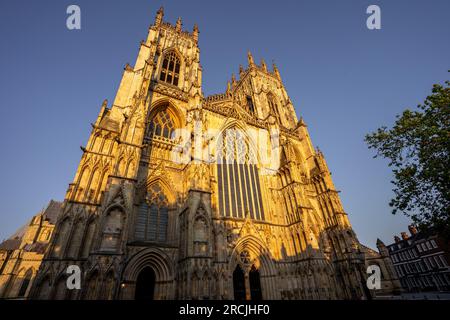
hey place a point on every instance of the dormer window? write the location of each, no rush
(170, 71)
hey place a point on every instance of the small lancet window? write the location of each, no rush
(273, 106)
(170, 71)
(250, 106)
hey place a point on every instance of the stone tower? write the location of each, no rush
(181, 196)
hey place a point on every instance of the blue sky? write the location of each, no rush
(344, 79)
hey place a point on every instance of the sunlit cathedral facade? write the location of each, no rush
(182, 196)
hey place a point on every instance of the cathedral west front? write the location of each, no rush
(182, 196)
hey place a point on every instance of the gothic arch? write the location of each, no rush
(172, 108)
(167, 188)
(112, 228)
(163, 267)
(60, 243)
(180, 58)
(75, 243)
(241, 127)
(258, 249)
(88, 236)
(274, 103)
(262, 260)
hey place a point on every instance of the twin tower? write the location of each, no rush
(181, 196)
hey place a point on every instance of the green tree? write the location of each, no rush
(417, 148)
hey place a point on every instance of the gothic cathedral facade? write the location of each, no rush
(181, 196)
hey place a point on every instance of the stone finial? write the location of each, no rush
(396, 239)
(159, 16)
(241, 71)
(233, 80)
(251, 62)
(301, 122)
(404, 236)
(178, 25)
(105, 103)
(275, 71)
(263, 65)
(228, 87)
(195, 32)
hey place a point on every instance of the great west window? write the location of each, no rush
(238, 177)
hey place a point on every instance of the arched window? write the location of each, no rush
(25, 283)
(238, 177)
(88, 239)
(273, 106)
(162, 125)
(152, 217)
(112, 230)
(170, 71)
(62, 231)
(75, 242)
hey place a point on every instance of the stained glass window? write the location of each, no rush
(152, 217)
(162, 125)
(238, 177)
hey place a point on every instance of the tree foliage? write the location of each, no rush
(417, 148)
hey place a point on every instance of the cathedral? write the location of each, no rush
(184, 196)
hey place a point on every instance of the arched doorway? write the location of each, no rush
(239, 283)
(145, 284)
(255, 284)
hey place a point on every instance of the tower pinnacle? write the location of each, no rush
(195, 32)
(159, 16)
(251, 62)
(275, 71)
(178, 25)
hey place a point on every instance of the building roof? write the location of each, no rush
(50, 214)
(10, 244)
(369, 251)
(52, 211)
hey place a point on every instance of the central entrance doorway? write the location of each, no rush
(145, 284)
(243, 282)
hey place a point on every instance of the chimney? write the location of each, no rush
(404, 235)
(412, 230)
(396, 239)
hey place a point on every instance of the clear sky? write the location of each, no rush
(344, 79)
